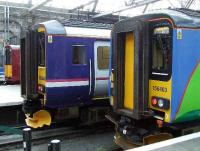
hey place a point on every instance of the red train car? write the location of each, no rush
(12, 64)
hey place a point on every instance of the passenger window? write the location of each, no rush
(103, 56)
(79, 54)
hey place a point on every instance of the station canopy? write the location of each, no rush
(117, 7)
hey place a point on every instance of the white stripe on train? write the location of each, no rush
(67, 84)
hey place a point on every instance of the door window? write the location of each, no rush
(103, 56)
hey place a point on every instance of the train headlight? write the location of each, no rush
(154, 101)
(160, 103)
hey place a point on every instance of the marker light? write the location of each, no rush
(40, 88)
(154, 101)
(160, 103)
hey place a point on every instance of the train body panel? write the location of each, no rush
(185, 70)
(68, 83)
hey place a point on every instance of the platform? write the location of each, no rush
(10, 95)
(189, 142)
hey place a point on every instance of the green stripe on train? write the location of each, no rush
(190, 107)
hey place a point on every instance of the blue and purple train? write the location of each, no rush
(64, 72)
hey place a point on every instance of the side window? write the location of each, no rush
(79, 54)
(103, 54)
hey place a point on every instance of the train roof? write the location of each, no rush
(87, 32)
(54, 27)
(182, 18)
(13, 46)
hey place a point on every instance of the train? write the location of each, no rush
(12, 64)
(154, 76)
(1, 74)
(65, 72)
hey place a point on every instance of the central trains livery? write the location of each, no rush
(65, 72)
(155, 76)
(12, 64)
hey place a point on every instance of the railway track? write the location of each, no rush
(45, 135)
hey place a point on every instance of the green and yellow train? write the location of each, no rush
(155, 76)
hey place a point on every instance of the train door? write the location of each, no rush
(129, 72)
(101, 62)
(81, 69)
(130, 69)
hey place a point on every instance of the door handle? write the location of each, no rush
(90, 63)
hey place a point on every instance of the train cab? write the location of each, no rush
(155, 65)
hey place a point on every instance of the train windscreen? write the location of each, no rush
(41, 47)
(161, 50)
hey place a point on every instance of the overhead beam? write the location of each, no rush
(30, 2)
(146, 6)
(136, 4)
(171, 3)
(83, 5)
(95, 5)
(189, 3)
(38, 5)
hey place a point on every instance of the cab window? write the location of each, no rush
(41, 48)
(161, 51)
(103, 54)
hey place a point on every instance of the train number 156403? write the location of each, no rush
(158, 88)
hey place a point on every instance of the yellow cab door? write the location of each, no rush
(129, 72)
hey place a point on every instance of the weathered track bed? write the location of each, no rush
(39, 137)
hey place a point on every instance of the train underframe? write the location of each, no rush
(37, 115)
(131, 133)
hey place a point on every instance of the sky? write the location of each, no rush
(113, 5)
